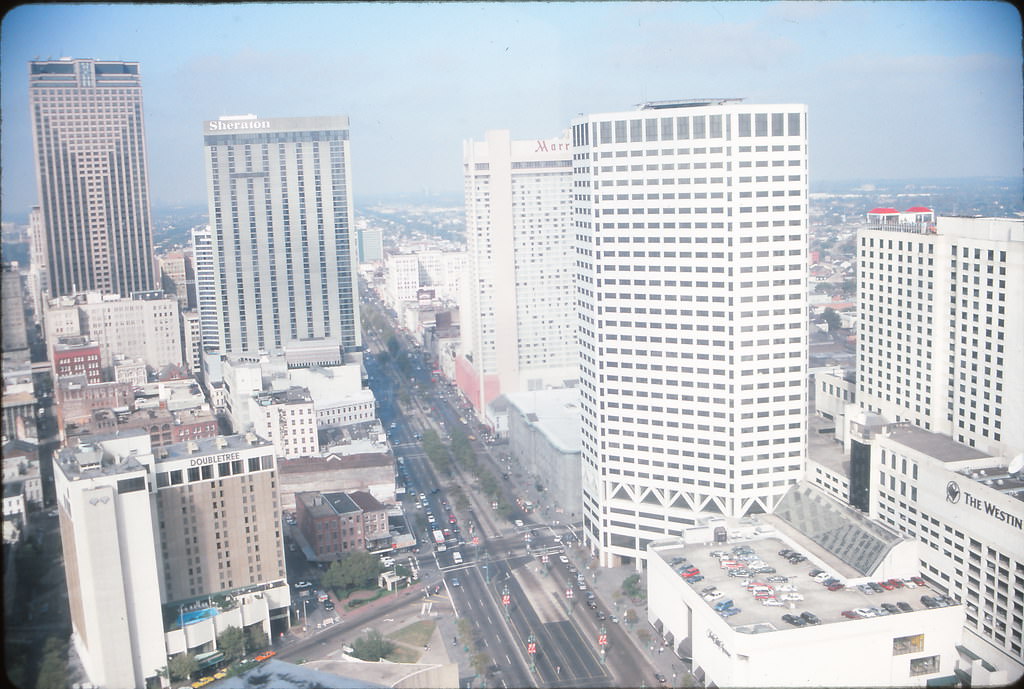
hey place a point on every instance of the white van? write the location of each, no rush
(457, 557)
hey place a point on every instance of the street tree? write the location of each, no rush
(182, 666)
(353, 571)
(53, 672)
(833, 319)
(372, 647)
(232, 642)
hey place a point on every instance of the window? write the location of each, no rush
(743, 123)
(924, 666)
(761, 124)
(907, 644)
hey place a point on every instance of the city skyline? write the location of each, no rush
(531, 67)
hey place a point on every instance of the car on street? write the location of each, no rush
(518, 522)
(613, 618)
(328, 605)
(455, 581)
(303, 585)
(563, 559)
(601, 615)
(660, 677)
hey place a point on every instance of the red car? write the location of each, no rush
(896, 583)
(850, 614)
(690, 573)
(886, 585)
(835, 587)
(917, 580)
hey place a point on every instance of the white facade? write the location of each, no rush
(143, 326)
(518, 325)
(191, 341)
(286, 419)
(111, 556)
(941, 340)
(758, 649)
(140, 531)
(691, 227)
(402, 273)
(282, 232)
(966, 508)
(206, 289)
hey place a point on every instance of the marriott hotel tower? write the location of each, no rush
(690, 220)
(282, 237)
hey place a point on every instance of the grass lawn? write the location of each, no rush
(416, 634)
(401, 654)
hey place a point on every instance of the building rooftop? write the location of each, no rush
(822, 446)
(328, 504)
(365, 501)
(555, 413)
(755, 617)
(843, 531)
(941, 447)
(207, 446)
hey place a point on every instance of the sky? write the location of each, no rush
(894, 89)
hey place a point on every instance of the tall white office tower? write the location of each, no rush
(518, 325)
(690, 220)
(282, 234)
(941, 340)
(93, 182)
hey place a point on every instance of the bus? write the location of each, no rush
(439, 540)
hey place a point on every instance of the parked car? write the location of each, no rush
(864, 612)
(722, 605)
(917, 580)
(729, 612)
(850, 614)
(794, 620)
(905, 607)
(713, 596)
(810, 617)
(792, 597)
(892, 609)
(778, 578)
(875, 587)
(773, 602)
(695, 579)
(928, 602)
(909, 583)
(835, 587)
(886, 585)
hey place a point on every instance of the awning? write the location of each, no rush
(948, 681)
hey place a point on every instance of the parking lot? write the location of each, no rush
(827, 605)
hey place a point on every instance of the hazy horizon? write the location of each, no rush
(895, 90)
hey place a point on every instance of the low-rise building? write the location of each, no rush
(756, 647)
(74, 355)
(331, 523)
(544, 441)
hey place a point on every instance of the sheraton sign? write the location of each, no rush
(226, 125)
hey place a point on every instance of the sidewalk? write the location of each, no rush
(607, 585)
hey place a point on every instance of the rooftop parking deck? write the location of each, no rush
(755, 617)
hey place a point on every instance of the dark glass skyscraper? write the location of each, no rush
(92, 175)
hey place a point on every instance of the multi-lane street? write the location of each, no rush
(511, 582)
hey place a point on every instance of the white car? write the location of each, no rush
(907, 583)
(792, 596)
(865, 612)
(822, 577)
(563, 559)
(518, 522)
(787, 587)
(714, 595)
(773, 602)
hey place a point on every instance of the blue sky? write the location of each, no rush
(894, 89)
